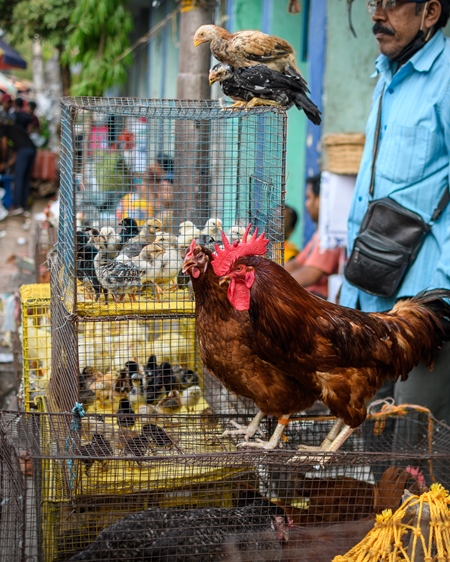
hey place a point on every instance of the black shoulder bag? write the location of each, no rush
(388, 240)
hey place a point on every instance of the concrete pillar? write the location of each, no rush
(192, 138)
(194, 62)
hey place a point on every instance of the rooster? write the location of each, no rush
(273, 341)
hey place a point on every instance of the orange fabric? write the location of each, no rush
(325, 260)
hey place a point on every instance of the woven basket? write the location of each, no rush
(344, 152)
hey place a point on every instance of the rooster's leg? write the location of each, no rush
(249, 430)
(329, 439)
(275, 438)
(337, 436)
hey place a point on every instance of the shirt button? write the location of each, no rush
(360, 198)
(391, 90)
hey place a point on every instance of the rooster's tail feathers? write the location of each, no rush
(438, 301)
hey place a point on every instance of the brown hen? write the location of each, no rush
(248, 48)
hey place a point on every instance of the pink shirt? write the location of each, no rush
(325, 260)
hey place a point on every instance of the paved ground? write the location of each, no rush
(17, 247)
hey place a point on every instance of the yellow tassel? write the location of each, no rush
(384, 542)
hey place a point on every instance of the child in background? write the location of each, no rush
(140, 204)
(312, 266)
(290, 221)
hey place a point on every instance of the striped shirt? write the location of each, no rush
(413, 163)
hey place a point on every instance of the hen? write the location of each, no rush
(286, 348)
(258, 84)
(188, 535)
(247, 48)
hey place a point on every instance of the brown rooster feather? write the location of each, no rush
(248, 48)
(285, 348)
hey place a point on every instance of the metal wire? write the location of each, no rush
(113, 472)
(171, 161)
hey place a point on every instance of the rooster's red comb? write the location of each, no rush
(224, 259)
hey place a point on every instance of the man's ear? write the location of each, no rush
(433, 13)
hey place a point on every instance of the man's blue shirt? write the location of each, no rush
(413, 163)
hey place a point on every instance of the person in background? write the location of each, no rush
(25, 153)
(35, 126)
(141, 204)
(6, 106)
(21, 118)
(312, 266)
(290, 221)
(412, 166)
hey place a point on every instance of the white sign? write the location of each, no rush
(336, 193)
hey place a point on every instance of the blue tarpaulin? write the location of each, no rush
(9, 58)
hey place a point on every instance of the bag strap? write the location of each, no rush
(445, 199)
(441, 206)
(376, 141)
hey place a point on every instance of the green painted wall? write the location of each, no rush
(348, 66)
(248, 14)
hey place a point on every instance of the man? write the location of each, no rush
(25, 154)
(21, 118)
(412, 165)
(312, 266)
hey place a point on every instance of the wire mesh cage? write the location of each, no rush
(45, 236)
(141, 178)
(137, 363)
(36, 342)
(157, 488)
(12, 499)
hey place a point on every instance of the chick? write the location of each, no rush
(157, 435)
(170, 403)
(191, 397)
(235, 233)
(118, 278)
(113, 241)
(147, 235)
(99, 447)
(125, 414)
(187, 232)
(213, 228)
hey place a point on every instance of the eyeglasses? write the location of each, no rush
(372, 5)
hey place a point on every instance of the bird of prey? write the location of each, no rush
(259, 85)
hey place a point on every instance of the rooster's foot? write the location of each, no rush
(260, 444)
(246, 430)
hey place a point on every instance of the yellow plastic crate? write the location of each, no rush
(36, 341)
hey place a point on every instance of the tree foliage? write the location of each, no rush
(91, 32)
(99, 38)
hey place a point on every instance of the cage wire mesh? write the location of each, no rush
(45, 236)
(36, 342)
(155, 174)
(148, 487)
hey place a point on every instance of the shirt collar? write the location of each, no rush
(421, 61)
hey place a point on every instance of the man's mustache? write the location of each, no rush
(379, 28)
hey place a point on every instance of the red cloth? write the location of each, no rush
(325, 260)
